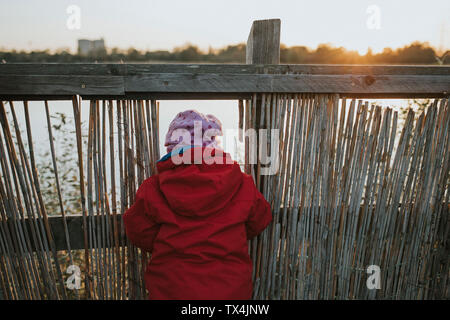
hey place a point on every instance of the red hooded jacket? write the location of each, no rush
(196, 220)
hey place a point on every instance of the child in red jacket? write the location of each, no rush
(195, 217)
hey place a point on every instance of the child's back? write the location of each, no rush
(196, 220)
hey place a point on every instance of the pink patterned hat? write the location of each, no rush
(186, 120)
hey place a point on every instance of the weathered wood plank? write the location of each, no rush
(228, 96)
(263, 47)
(174, 96)
(263, 44)
(98, 69)
(87, 69)
(225, 85)
(352, 84)
(60, 85)
(75, 227)
(29, 97)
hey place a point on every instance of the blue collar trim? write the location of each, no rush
(178, 151)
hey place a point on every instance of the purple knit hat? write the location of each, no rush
(185, 120)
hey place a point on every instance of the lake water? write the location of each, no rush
(225, 110)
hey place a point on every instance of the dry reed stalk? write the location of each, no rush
(151, 142)
(116, 252)
(92, 220)
(77, 116)
(105, 211)
(58, 189)
(99, 230)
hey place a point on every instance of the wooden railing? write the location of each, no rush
(196, 81)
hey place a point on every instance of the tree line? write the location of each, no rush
(414, 53)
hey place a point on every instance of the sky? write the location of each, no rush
(165, 24)
(225, 110)
(153, 25)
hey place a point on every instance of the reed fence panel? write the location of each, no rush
(346, 191)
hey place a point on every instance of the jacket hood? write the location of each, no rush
(203, 183)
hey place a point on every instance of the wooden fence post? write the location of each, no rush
(263, 44)
(263, 47)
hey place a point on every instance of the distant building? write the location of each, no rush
(89, 47)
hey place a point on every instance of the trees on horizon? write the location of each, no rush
(414, 53)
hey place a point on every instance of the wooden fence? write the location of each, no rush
(34, 263)
(349, 191)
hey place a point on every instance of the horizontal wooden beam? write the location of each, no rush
(219, 81)
(232, 84)
(76, 231)
(75, 228)
(97, 69)
(288, 83)
(61, 84)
